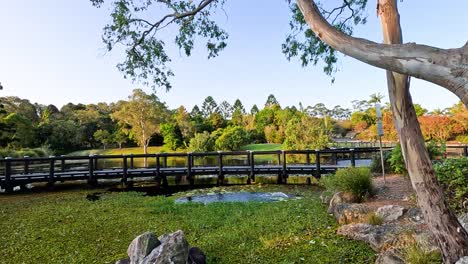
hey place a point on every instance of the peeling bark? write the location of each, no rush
(445, 67)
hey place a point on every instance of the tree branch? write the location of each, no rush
(445, 67)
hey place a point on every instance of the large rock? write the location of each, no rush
(375, 235)
(389, 257)
(174, 249)
(415, 215)
(350, 213)
(141, 246)
(390, 213)
(463, 219)
(463, 260)
(196, 256)
(340, 198)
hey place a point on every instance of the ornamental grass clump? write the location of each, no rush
(357, 181)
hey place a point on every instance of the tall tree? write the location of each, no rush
(142, 113)
(254, 110)
(239, 106)
(225, 109)
(209, 106)
(271, 101)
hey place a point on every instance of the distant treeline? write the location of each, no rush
(144, 120)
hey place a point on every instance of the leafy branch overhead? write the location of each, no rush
(133, 26)
(302, 42)
(138, 26)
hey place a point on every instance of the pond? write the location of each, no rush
(237, 197)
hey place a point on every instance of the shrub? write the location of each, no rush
(357, 181)
(453, 175)
(201, 142)
(414, 254)
(436, 149)
(36, 152)
(232, 138)
(397, 163)
(374, 219)
(462, 139)
(376, 164)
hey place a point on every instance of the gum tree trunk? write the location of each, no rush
(452, 239)
(448, 68)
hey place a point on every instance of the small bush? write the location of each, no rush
(453, 175)
(416, 255)
(357, 181)
(397, 163)
(376, 164)
(374, 219)
(436, 149)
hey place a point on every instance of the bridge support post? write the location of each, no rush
(8, 183)
(220, 168)
(50, 180)
(353, 158)
(317, 164)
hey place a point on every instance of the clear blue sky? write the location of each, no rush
(51, 52)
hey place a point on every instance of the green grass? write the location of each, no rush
(264, 147)
(64, 227)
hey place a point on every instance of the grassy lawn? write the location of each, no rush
(64, 227)
(116, 151)
(259, 147)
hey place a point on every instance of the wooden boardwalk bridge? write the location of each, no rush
(22, 171)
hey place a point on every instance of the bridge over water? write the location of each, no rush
(162, 166)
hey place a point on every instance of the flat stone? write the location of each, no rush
(390, 213)
(174, 249)
(340, 198)
(141, 246)
(376, 236)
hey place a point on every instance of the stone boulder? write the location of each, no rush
(415, 215)
(376, 236)
(350, 213)
(173, 249)
(463, 219)
(141, 246)
(390, 213)
(167, 249)
(196, 256)
(463, 260)
(340, 198)
(390, 256)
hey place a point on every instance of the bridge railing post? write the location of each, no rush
(465, 151)
(353, 158)
(50, 180)
(91, 169)
(62, 163)
(252, 167)
(26, 165)
(317, 164)
(8, 183)
(220, 168)
(124, 169)
(131, 162)
(284, 172)
(308, 157)
(189, 169)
